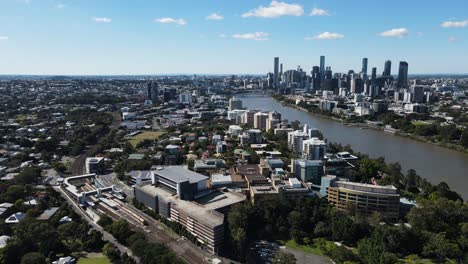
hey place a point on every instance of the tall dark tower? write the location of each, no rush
(280, 77)
(322, 67)
(374, 75)
(364, 66)
(387, 69)
(153, 92)
(316, 78)
(149, 92)
(276, 72)
(374, 88)
(402, 74)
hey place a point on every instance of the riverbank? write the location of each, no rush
(377, 128)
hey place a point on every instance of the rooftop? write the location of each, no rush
(179, 174)
(204, 214)
(47, 213)
(369, 188)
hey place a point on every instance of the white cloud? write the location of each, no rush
(253, 36)
(395, 33)
(215, 16)
(319, 12)
(454, 24)
(3, 38)
(170, 20)
(276, 9)
(452, 39)
(326, 35)
(102, 20)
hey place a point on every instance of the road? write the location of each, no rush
(306, 258)
(78, 166)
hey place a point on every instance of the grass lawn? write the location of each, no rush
(94, 260)
(145, 135)
(421, 123)
(308, 249)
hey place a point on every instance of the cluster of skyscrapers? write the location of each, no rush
(321, 78)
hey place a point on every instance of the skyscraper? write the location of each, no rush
(374, 75)
(322, 67)
(328, 73)
(315, 78)
(403, 74)
(153, 92)
(374, 88)
(387, 69)
(281, 73)
(276, 72)
(364, 66)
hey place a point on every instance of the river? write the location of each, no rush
(432, 162)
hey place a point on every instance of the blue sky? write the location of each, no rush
(229, 36)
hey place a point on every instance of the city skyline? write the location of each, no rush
(157, 37)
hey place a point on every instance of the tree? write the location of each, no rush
(111, 252)
(340, 254)
(439, 247)
(93, 242)
(367, 169)
(28, 175)
(437, 216)
(59, 167)
(33, 258)
(104, 220)
(295, 125)
(372, 251)
(284, 258)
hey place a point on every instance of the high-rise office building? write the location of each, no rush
(375, 88)
(153, 92)
(328, 73)
(276, 72)
(374, 76)
(387, 69)
(281, 73)
(403, 74)
(322, 67)
(418, 93)
(315, 78)
(364, 66)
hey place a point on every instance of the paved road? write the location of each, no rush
(78, 166)
(306, 258)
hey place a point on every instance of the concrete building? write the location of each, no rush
(185, 98)
(184, 183)
(208, 165)
(307, 170)
(235, 130)
(295, 140)
(235, 104)
(363, 198)
(248, 118)
(313, 149)
(94, 165)
(260, 120)
(203, 217)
